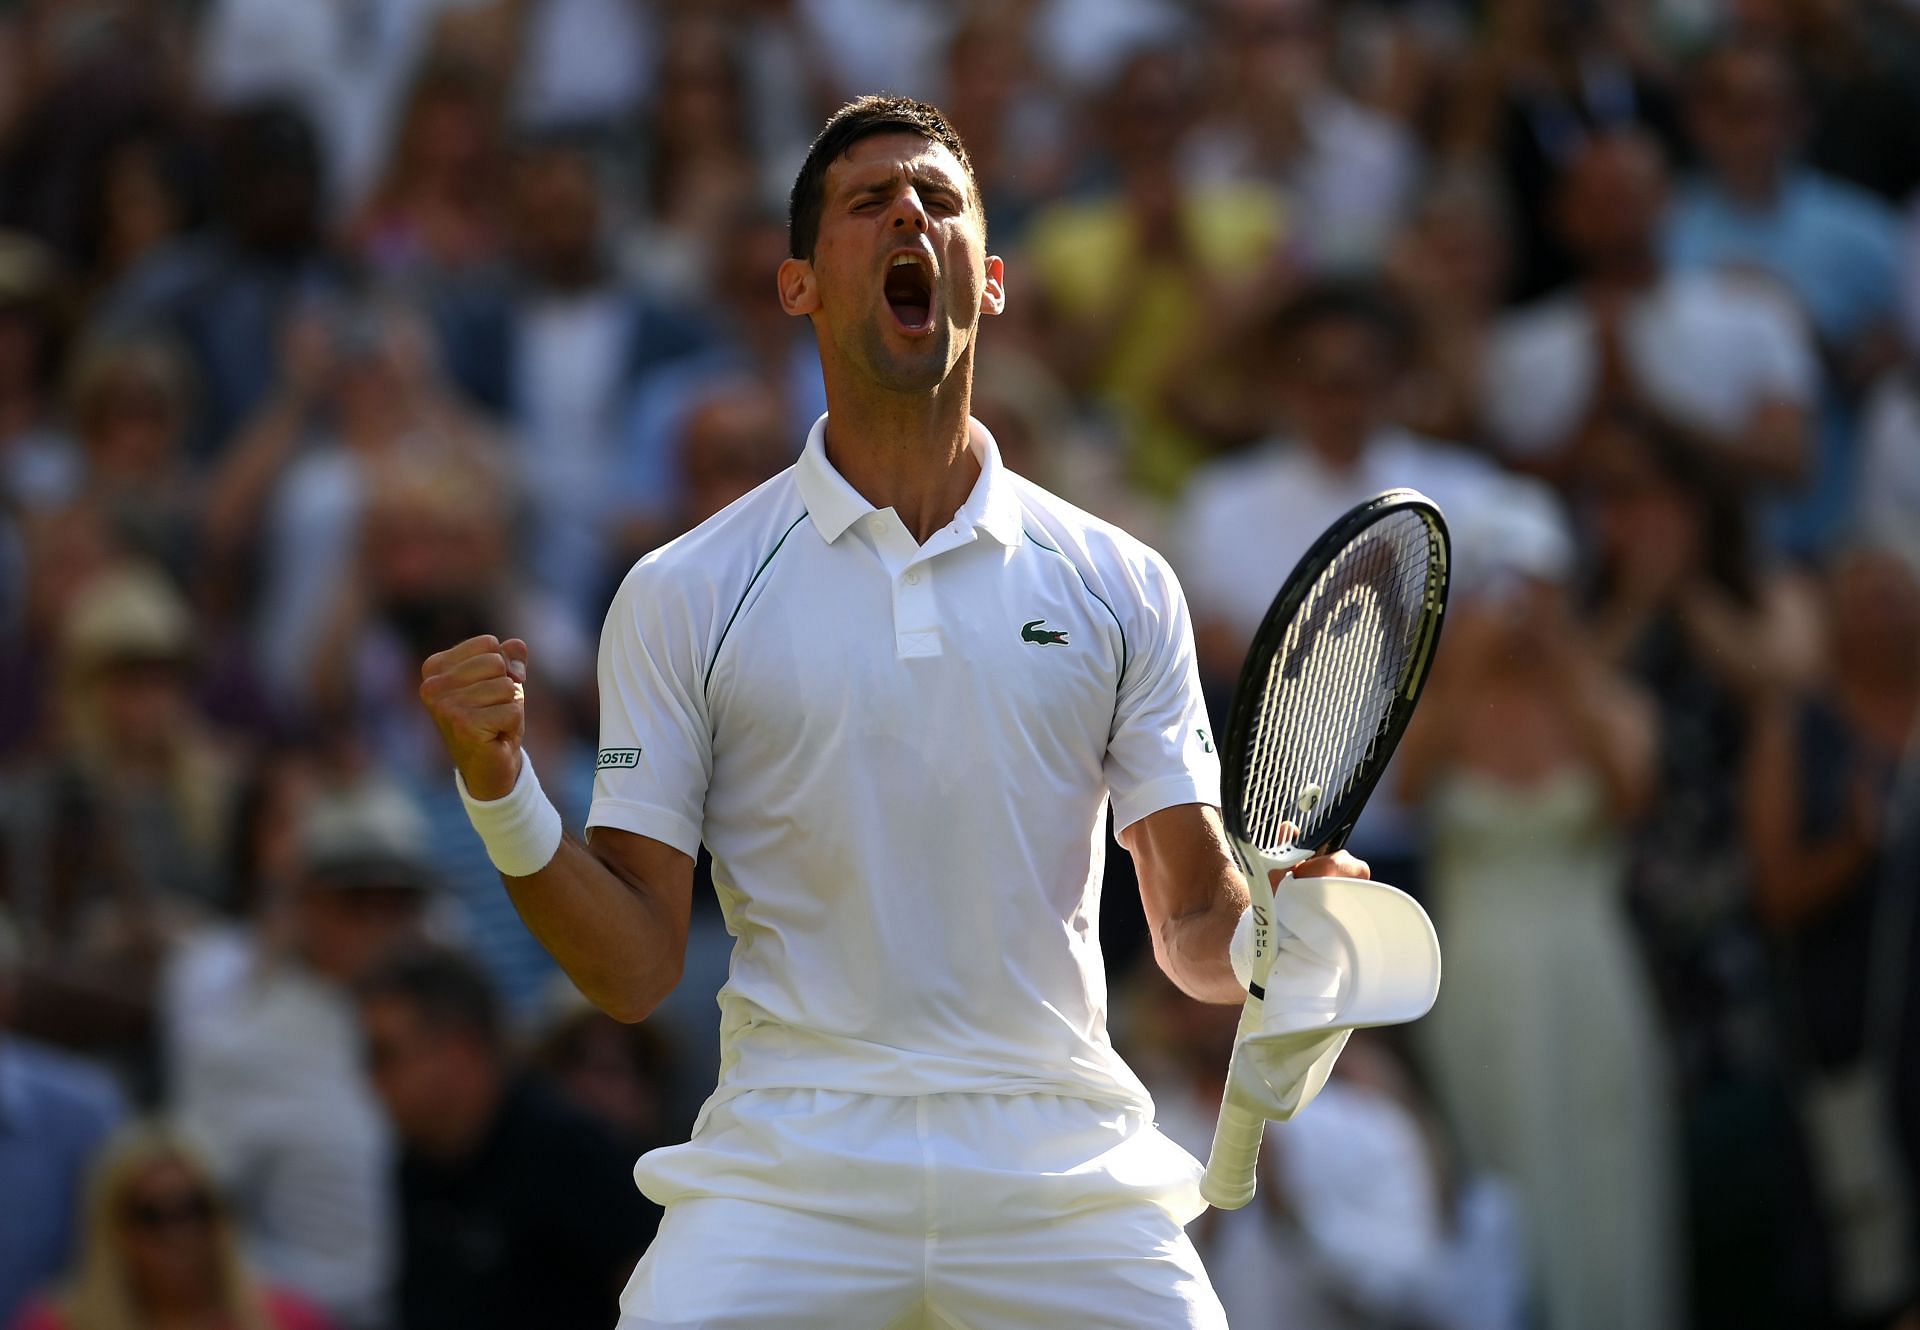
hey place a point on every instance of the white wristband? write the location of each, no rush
(521, 829)
(1240, 950)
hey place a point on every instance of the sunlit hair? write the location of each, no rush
(860, 119)
(101, 1296)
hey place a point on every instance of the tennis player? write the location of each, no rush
(893, 690)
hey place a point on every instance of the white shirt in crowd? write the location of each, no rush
(265, 1064)
(901, 756)
(1709, 349)
(1246, 520)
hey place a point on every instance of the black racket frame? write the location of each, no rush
(1273, 631)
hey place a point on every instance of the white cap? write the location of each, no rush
(1376, 936)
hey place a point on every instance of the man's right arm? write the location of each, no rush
(614, 912)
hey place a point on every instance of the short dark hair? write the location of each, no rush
(862, 118)
(1348, 301)
(447, 989)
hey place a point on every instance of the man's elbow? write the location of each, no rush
(631, 1002)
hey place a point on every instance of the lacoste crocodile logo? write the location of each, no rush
(1042, 637)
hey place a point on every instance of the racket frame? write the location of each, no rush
(1232, 1165)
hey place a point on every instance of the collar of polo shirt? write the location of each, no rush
(834, 505)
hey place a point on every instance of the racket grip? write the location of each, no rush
(1231, 1168)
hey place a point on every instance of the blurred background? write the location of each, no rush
(333, 331)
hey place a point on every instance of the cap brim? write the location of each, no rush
(1383, 942)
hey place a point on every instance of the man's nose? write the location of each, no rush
(907, 212)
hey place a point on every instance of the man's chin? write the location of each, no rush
(917, 365)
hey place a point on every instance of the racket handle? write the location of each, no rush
(1231, 1167)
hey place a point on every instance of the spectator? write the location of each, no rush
(1727, 370)
(438, 208)
(1449, 264)
(1834, 247)
(700, 169)
(343, 69)
(131, 404)
(756, 340)
(1684, 606)
(1015, 132)
(1131, 277)
(161, 1250)
(55, 1112)
(1861, 63)
(1532, 757)
(264, 1054)
(92, 76)
(1551, 78)
(357, 386)
(1346, 171)
(1833, 782)
(227, 294)
(431, 569)
(626, 1077)
(517, 1209)
(555, 343)
(1339, 352)
(114, 840)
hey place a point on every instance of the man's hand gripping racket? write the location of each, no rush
(1327, 689)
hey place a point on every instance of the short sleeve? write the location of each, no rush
(1161, 751)
(656, 744)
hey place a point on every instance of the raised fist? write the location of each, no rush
(476, 693)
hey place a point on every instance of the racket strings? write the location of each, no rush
(1331, 684)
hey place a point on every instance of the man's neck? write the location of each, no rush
(906, 451)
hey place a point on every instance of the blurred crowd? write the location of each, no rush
(334, 331)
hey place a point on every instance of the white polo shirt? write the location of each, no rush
(900, 757)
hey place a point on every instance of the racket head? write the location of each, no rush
(1333, 674)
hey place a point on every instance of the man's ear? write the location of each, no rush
(993, 296)
(799, 291)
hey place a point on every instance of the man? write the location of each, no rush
(1722, 365)
(554, 343)
(1338, 352)
(264, 1051)
(515, 1208)
(892, 689)
(1833, 246)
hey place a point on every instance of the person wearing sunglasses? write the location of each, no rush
(159, 1251)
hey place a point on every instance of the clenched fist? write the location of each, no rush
(476, 693)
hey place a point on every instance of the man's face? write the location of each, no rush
(408, 1064)
(1613, 201)
(1332, 382)
(345, 931)
(900, 273)
(1744, 114)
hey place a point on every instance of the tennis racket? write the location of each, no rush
(1327, 689)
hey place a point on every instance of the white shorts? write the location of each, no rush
(814, 1210)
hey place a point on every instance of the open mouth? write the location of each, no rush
(909, 292)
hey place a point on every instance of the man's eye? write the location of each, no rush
(867, 205)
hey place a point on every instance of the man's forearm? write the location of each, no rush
(1193, 948)
(622, 947)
